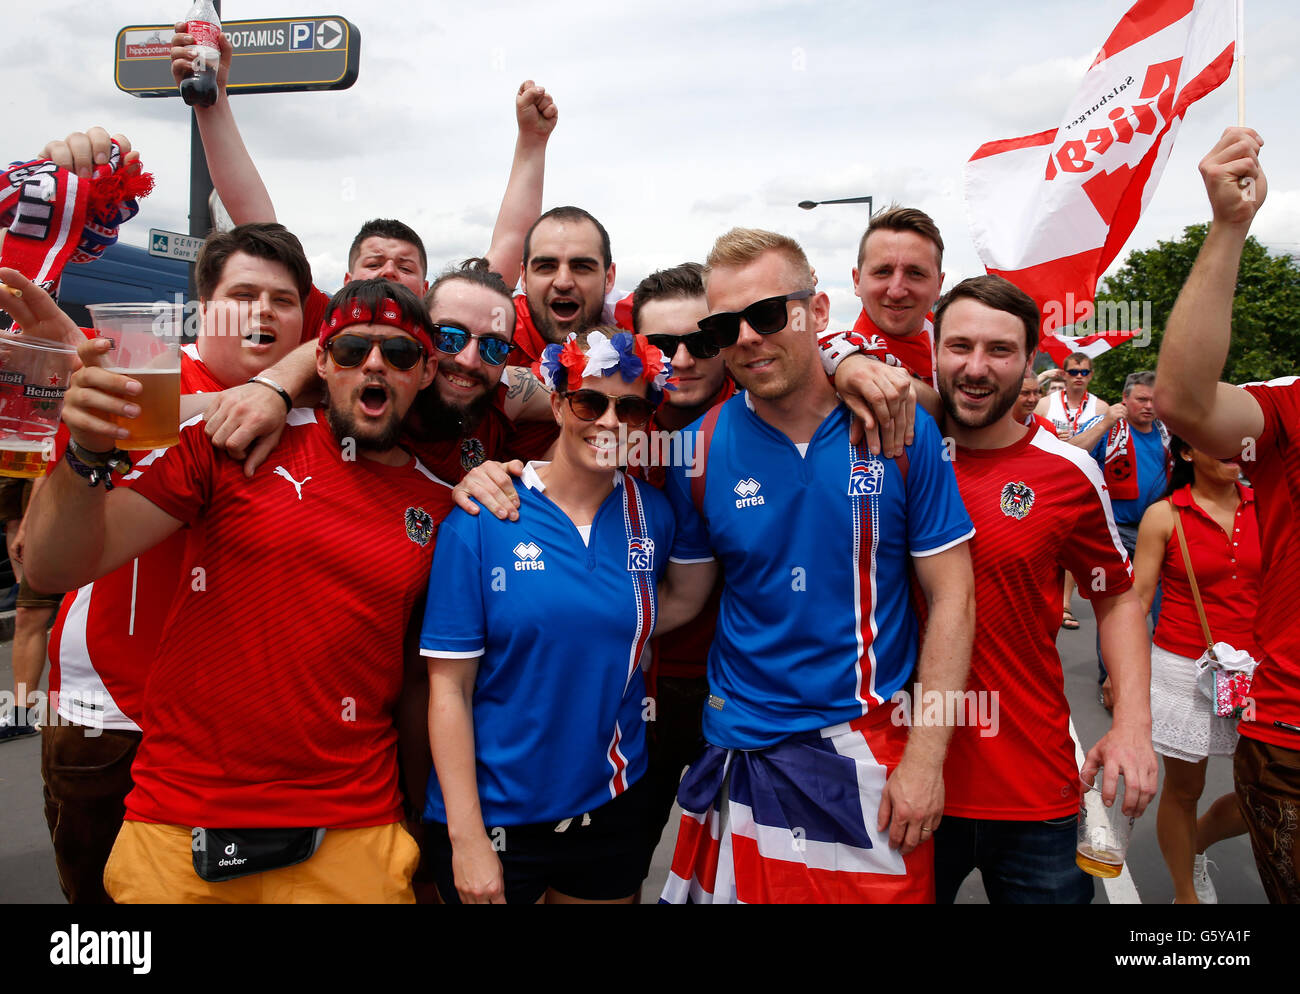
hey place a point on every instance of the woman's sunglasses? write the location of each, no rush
(589, 405)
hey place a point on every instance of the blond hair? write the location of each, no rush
(742, 246)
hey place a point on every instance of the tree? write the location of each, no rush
(1265, 313)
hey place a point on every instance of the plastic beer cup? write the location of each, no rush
(146, 347)
(34, 374)
(1103, 831)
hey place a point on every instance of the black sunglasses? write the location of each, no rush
(400, 352)
(766, 316)
(698, 343)
(451, 340)
(589, 405)
(1078, 372)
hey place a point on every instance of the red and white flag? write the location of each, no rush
(1051, 211)
(1061, 347)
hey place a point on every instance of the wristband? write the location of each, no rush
(266, 381)
(835, 347)
(96, 466)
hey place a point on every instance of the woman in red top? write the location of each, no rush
(1218, 519)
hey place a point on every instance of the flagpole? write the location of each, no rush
(1245, 183)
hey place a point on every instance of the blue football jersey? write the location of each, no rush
(816, 625)
(558, 627)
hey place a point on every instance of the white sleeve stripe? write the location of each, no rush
(923, 553)
(690, 562)
(424, 471)
(442, 654)
(1049, 443)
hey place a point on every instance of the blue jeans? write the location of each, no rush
(1128, 534)
(1022, 862)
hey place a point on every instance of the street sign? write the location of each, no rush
(300, 53)
(174, 245)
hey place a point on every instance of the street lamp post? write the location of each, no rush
(810, 204)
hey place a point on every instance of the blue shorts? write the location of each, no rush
(1022, 862)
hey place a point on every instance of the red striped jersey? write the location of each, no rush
(1039, 507)
(271, 700)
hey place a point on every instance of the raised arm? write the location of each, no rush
(234, 176)
(536, 115)
(1214, 417)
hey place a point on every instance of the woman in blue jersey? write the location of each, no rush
(534, 631)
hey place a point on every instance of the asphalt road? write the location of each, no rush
(27, 864)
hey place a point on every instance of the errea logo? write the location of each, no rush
(747, 491)
(528, 557)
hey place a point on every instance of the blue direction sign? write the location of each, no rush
(272, 55)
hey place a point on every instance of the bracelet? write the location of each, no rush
(96, 466)
(266, 381)
(837, 346)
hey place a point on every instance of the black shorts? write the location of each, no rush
(597, 857)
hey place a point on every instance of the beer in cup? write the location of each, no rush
(1103, 831)
(34, 374)
(146, 347)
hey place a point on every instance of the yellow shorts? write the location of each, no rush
(153, 864)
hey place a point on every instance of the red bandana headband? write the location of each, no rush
(389, 313)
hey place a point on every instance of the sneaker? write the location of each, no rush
(16, 726)
(1201, 879)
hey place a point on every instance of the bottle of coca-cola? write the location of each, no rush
(200, 87)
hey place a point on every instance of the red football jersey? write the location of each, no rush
(271, 700)
(451, 458)
(1275, 475)
(106, 633)
(1039, 506)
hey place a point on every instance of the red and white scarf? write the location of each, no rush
(1121, 459)
(54, 217)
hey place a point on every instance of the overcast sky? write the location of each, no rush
(678, 119)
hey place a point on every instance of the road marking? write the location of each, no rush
(1121, 889)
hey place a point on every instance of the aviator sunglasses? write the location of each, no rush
(698, 343)
(451, 340)
(589, 405)
(767, 317)
(400, 352)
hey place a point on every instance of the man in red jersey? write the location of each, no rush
(1039, 507)
(1260, 424)
(898, 278)
(251, 281)
(254, 718)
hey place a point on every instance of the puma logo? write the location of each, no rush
(281, 471)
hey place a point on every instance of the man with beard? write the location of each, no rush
(1039, 507)
(816, 538)
(568, 277)
(267, 771)
(461, 419)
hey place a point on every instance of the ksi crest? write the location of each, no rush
(866, 478)
(1017, 499)
(419, 526)
(640, 555)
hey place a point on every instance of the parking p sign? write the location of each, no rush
(302, 36)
